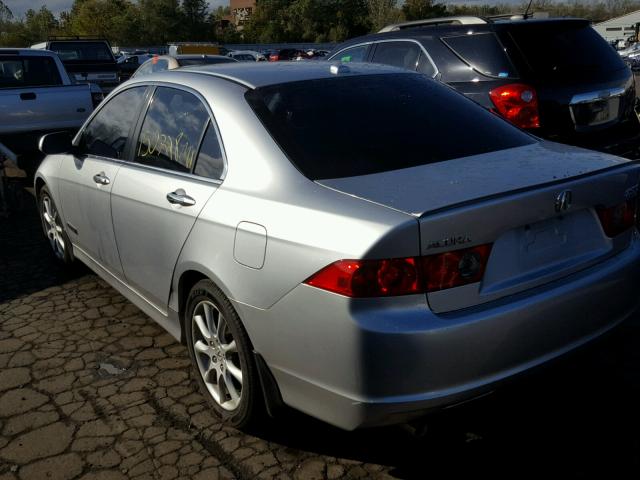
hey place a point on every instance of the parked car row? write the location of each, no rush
(427, 247)
(557, 78)
(294, 54)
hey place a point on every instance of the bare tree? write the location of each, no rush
(5, 12)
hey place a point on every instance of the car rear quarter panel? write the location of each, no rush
(307, 226)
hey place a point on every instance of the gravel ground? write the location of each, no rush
(91, 388)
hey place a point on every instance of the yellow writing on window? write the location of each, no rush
(175, 148)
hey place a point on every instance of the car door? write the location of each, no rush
(159, 194)
(88, 174)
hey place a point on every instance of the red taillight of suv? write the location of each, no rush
(403, 276)
(274, 57)
(518, 103)
(619, 218)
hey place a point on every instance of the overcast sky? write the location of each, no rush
(18, 7)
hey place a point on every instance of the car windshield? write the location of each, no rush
(565, 50)
(82, 51)
(357, 125)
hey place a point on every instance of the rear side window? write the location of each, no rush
(210, 163)
(354, 54)
(172, 130)
(397, 54)
(28, 71)
(107, 133)
(565, 50)
(484, 53)
(376, 123)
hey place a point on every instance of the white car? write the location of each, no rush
(247, 56)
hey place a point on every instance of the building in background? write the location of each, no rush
(241, 11)
(624, 27)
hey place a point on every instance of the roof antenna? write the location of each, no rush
(526, 12)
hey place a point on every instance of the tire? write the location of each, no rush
(53, 227)
(223, 363)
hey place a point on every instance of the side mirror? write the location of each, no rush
(54, 143)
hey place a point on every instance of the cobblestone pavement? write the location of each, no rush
(91, 388)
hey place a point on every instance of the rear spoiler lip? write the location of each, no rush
(630, 165)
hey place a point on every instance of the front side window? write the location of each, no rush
(355, 54)
(106, 135)
(28, 71)
(172, 130)
(397, 54)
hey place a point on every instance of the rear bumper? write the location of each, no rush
(622, 140)
(375, 362)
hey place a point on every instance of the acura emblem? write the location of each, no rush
(563, 201)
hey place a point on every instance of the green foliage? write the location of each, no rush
(195, 18)
(156, 22)
(383, 12)
(419, 9)
(5, 13)
(307, 20)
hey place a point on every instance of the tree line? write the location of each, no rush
(156, 22)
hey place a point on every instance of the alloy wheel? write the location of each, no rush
(217, 355)
(52, 227)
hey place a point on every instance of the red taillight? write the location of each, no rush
(403, 276)
(452, 269)
(274, 58)
(619, 218)
(518, 103)
(369, 278)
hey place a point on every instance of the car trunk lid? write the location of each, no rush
(515, 209)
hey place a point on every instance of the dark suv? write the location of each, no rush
(86, 60)
(557, 78)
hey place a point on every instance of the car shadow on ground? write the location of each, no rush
(26, 262)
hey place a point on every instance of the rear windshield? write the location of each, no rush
(484, 53)
(565, 50)
(82, 51)
(348, 126)
(28, 72)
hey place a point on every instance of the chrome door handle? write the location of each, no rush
(101, 179)
(179, 197)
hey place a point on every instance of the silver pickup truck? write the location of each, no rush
(37, 96)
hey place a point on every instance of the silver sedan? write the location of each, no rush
(357, 242)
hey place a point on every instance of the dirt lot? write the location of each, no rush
(91, 388)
